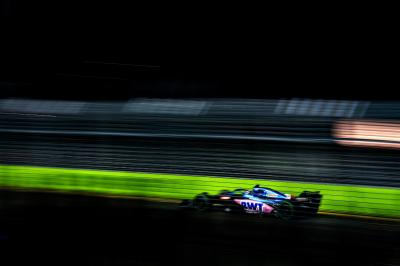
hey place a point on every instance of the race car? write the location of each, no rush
(258, 200)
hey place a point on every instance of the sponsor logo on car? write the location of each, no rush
(252, 206)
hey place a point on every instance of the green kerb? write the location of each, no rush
(373, 201)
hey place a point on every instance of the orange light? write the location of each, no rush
(375, 134)
(225, 197)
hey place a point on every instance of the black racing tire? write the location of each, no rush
(285, 210)
(201, 203)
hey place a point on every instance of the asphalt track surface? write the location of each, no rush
(61, 229)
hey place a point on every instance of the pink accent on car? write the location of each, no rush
(266, 208)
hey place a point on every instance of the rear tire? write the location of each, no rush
(285, 210)
(313, 205)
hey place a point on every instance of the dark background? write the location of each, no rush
(118, 51)
(112, 51)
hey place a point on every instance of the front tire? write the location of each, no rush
(201, 203)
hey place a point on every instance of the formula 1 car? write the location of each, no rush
(259, 200)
